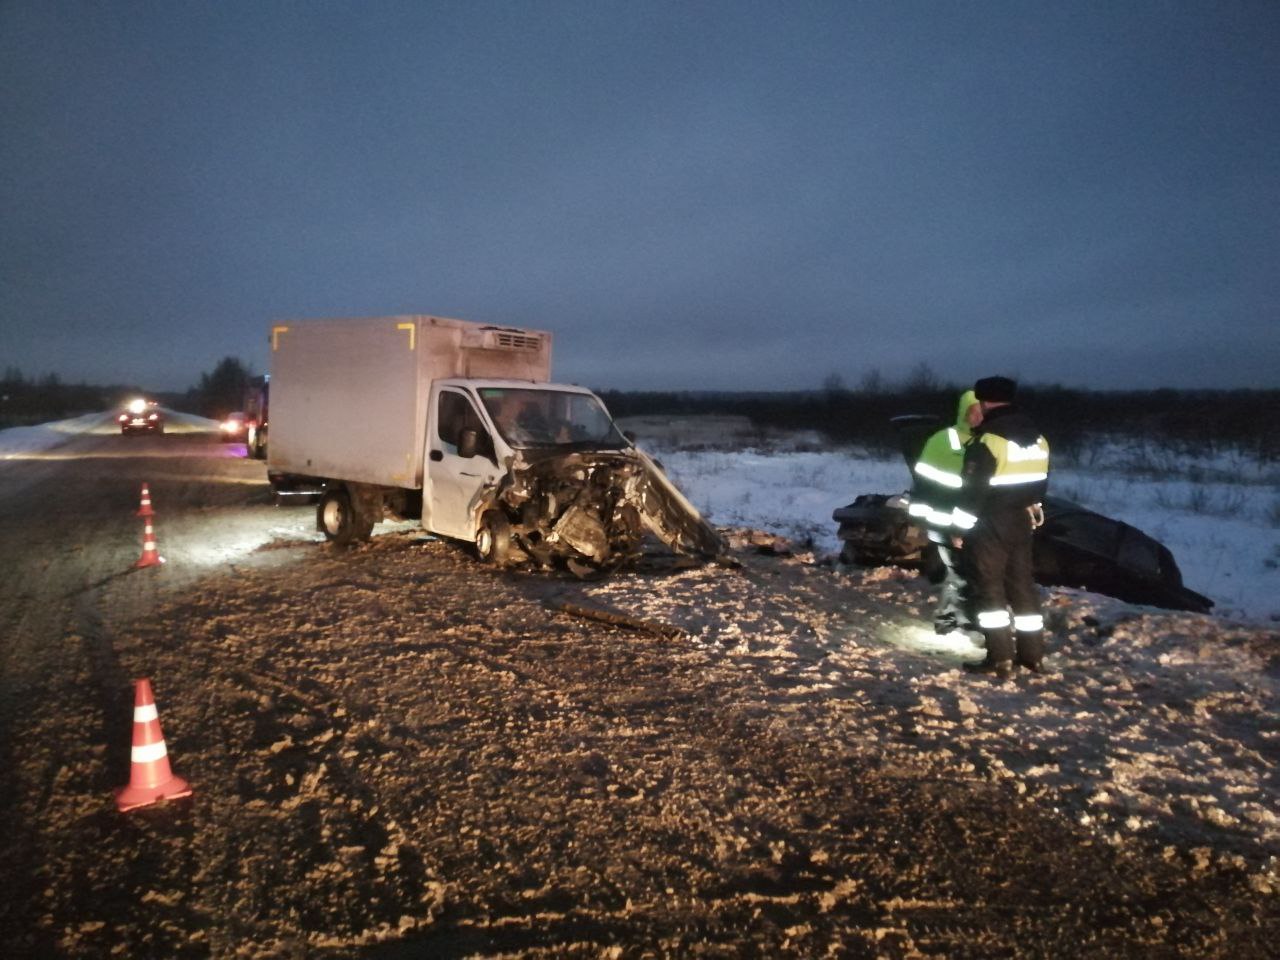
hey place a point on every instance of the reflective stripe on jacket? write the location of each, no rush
(1015, 463)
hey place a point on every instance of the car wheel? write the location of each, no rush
(493, 539)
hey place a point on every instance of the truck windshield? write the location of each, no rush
(548, 418)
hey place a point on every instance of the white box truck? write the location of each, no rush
(455, 422)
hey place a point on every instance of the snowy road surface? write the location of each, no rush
(397, 752)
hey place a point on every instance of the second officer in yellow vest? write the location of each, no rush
(937, 479)
(1006, 474)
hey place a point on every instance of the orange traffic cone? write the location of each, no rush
(150, 778)
(150, 554)
(145, 510)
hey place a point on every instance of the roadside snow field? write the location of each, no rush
(1220, 517)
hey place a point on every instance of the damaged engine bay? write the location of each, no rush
(591, 508)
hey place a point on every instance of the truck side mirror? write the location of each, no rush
(468, 441)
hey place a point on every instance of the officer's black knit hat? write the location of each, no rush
(995, 389)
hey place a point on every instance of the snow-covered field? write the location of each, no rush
(1220, 516)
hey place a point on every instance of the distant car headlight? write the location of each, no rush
(153, 416)
(123, 417)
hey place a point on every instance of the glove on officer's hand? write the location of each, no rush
(1036, 513)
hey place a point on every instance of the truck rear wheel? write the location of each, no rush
(338, 519)
(493, 539)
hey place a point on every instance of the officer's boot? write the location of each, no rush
(1030, 647)
(999, 659)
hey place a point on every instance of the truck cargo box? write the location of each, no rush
(349, 397)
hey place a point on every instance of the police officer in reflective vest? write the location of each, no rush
(935, 491)
(1005, 475)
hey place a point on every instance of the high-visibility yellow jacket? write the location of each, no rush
(1006, 466)
(936, 475)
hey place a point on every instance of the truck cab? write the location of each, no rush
(476, 428)
(539, 471)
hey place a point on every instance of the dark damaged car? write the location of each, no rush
(1075, 547)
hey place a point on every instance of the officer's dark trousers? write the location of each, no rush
(996, 560)
(953, 611)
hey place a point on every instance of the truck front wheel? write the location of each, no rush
(338, 519)
(493, 539)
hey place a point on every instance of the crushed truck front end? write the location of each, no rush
(552, 479)
(593, 508)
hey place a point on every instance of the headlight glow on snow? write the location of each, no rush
(921, 639)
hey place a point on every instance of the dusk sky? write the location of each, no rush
(693, 195)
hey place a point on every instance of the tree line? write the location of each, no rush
(1200, 421)
(30, 400)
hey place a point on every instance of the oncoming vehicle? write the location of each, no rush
(455, 423)
(234, 429)
(141, 416)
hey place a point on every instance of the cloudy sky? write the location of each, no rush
(692, 195)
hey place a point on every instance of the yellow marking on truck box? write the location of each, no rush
(275, 337)
(412, 328)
